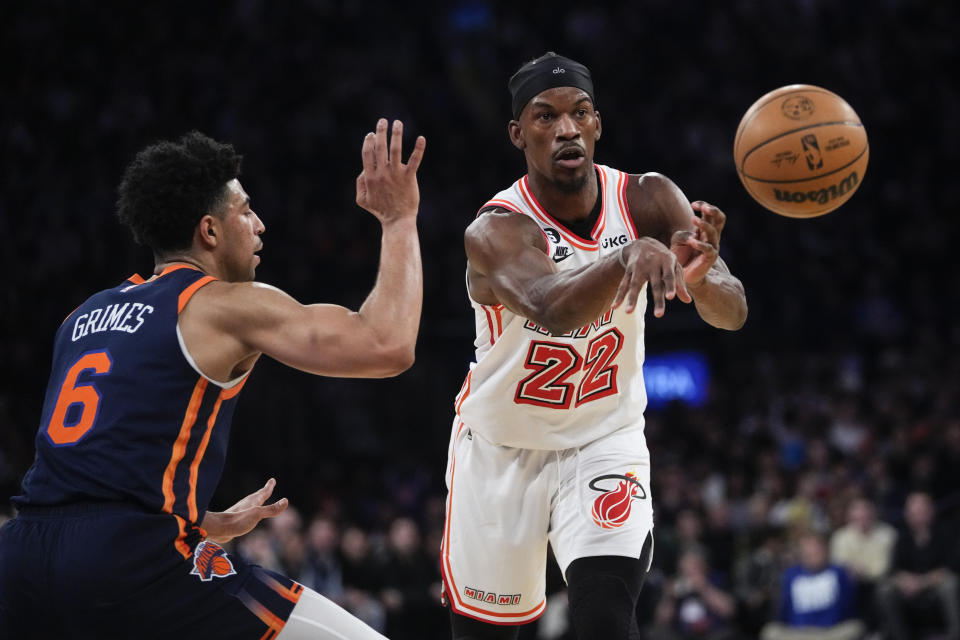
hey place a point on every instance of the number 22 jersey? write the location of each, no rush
(533, 390)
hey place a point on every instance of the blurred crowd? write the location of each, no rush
(824, 461)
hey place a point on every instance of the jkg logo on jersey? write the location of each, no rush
(611, 509)
(210, 561)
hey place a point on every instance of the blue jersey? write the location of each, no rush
(127, 415)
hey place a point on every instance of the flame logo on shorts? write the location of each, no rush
(210, 561)
(611, 509)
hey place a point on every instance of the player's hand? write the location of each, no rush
(649, 260)
(222, 527)
(386, 187)
(698, 250)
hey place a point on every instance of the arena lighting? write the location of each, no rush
(676, 375)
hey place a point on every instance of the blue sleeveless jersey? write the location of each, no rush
(127, 416)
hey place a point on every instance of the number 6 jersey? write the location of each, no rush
(533, 390)
(127, 416)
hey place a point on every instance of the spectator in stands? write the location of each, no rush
(816, 598)
(923, 581)
(700, 608)
(864, 547)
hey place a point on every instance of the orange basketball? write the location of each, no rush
(801, 151)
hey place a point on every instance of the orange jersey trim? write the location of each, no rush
(176, 267)
(464, 392)
(292, 594)
(198, 456)
(180, 543)
(447, 568)
(180, 445)
(226, 394)
(187, 293)
(136, 279)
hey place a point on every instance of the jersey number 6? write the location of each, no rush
(552, 363)
(85, 396)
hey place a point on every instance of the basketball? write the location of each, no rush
(801, 151)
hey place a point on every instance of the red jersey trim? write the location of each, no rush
(569, 236)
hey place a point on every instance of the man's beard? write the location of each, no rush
(574, 184)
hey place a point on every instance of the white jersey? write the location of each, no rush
(533, 390)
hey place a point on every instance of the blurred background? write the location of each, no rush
(818, 428)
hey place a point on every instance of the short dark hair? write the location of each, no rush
(170, 186)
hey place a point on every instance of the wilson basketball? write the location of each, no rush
(801, 151)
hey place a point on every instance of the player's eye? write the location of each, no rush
(545, 116)
(581, 112)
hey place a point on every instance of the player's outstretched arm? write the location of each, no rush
(508, 264)
(718, 295)
(227, 325)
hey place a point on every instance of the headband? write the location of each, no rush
(547, 72)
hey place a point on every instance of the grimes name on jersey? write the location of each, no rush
(126, 317)
(582, 332)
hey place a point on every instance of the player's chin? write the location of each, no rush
(571, 182)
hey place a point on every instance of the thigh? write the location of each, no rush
(603, 505)
(118, 574)
(495, 535)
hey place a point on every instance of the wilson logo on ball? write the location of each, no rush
(820, 196)
(612, 508)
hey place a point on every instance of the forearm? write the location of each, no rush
(567, 300)
(720, 300)
(392, 310)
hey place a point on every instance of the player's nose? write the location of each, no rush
(567, 128)
(259, 228)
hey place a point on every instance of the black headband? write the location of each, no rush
(547, 72)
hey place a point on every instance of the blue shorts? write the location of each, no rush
(113, 571)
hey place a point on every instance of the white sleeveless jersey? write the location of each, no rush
(533, 390)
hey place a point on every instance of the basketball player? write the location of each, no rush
(548, 442)
(113, 538)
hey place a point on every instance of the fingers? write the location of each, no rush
(708, 231)
(275, 509)
(396, 143)
(656, 290)
(710, 214)
(682, 293)
(368, 154)
(264, 492)
(417, 154)
(361, 189)
(380, 143)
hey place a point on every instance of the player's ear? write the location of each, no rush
(516, 135)
(596, 114)
(207, 231)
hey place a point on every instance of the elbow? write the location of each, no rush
(739, 319)
(396, 360)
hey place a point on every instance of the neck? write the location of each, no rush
(566, 206)
(161, 263)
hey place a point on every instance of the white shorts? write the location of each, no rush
(505, 504)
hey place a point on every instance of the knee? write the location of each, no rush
(601, 608)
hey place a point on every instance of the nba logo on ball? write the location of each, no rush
(210, 561)
(801, 151)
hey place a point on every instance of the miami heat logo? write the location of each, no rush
(611, 509)
(210, 561)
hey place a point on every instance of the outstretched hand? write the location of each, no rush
(222, 527)
(697, 251)
(386, 187)
(649, 260)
